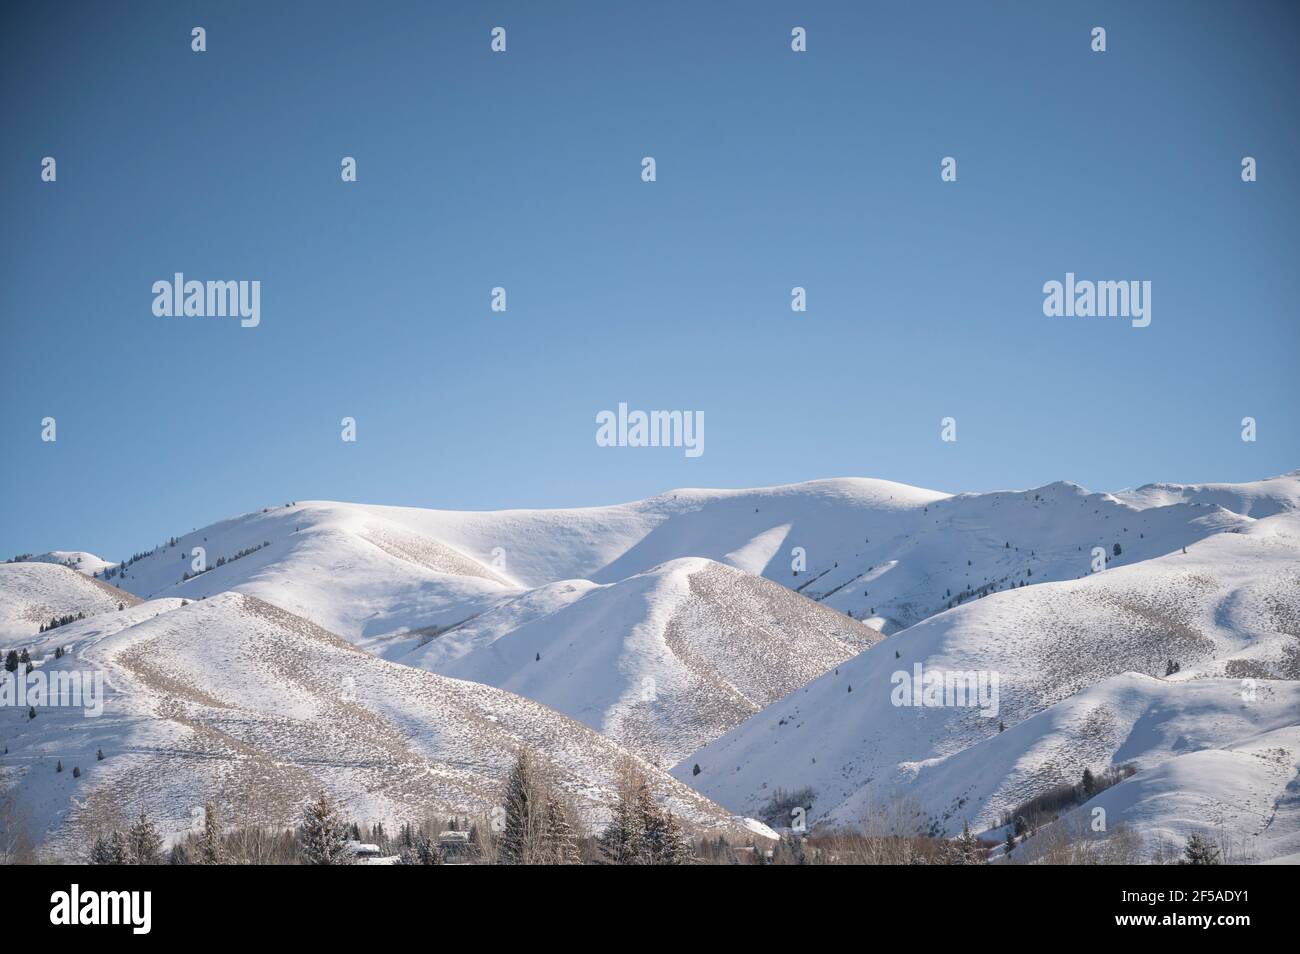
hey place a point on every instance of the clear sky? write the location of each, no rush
(523, 170)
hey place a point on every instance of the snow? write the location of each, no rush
(78, 560)
(1227, 607)
(1260, 498)
(396, 656)
(31, 594)
(661, 662)
(233, 700)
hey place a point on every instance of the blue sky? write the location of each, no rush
(522, 170)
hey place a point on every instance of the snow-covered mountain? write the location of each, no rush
(234, 700)
(662, 662)
(1257, 498)
(31, 594)
(739, 630)
(887, 553)
(1226, 610)
(79, 560)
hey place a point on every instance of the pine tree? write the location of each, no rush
(1089, 783)
(324, 834)
(102, 852)
(11, 660)
(144, 846)
(523, 837)
(118, 850)
(966, 850)
(641, 832)
(1011, 842)
(380, 837)
(209, 850)
(1199, 850)
(423, 851)
(559, 842)
(660, 841)
(622, 840)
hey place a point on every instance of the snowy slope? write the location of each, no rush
(1229, 606)
(658, 622)
(349, 569)
(235, 700)
(1147, 723)
(1259, 498)
(1244, 796)
(661, 662)
(32, 593)
(887, 553)
(78, 560)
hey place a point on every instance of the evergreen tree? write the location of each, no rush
(525, 823)
(180, 855)
(209, 850)
(102, 852)
(1199, 850)
(966, 849)
(621, 841)
(559, 841)
(324, 834)
(144, 846)
(1089, 783)
(11, 660)
(423, 851)
(380, 837)
(118, 849)
(641, 832)
(1011, 842)
(662, 841)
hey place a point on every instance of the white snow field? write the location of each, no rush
(888, 553)
(1258, 498)
(31, 594)
(661, 662)
(1081, 669)
(441, 589)
(78, 560)
(661, 625)
(234, 700)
